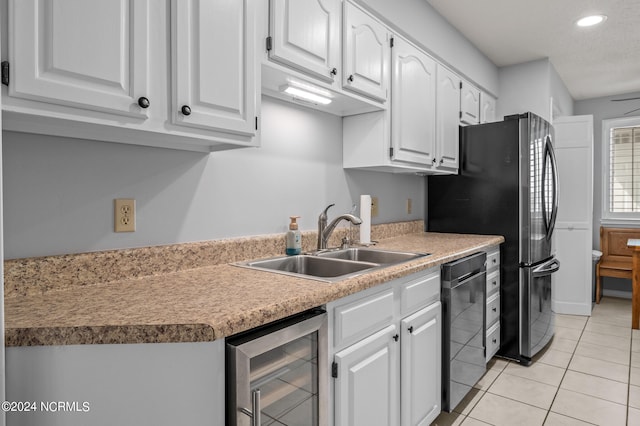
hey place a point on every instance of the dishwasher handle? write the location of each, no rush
(462, 268)
(466, 280)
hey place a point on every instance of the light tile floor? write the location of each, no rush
(589, 374)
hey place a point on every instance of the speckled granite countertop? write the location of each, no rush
(203, 303)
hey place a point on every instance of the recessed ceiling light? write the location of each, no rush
(589, 21)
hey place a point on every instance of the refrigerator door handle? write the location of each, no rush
(554, 166)
(547, 268)
(549, 154)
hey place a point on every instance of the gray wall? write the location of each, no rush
(602, 109)
(59, 192)
(530, 86)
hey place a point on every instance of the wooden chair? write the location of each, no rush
(616, 260)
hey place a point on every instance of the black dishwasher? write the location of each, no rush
(463, 334)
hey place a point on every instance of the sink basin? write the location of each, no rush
(381, 257)
(323, 268)
(332, 265)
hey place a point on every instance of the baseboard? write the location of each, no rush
(566, 308)
(616, 293)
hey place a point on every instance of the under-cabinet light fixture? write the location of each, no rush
(307, 93)
(589, 21)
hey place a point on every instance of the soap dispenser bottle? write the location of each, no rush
(294, 240)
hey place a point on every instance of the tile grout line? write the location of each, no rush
(564, 374)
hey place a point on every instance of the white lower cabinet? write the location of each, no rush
(420, 388)
(366, 385)
(390, 375)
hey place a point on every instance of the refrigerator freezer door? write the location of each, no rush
(536, 317)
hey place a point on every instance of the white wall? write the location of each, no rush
(59, 192)
(562, 100)
(530, 86)
(524, 87)
(422, 24)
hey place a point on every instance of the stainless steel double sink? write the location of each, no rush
(332, 265)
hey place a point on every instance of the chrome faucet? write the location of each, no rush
(324, 230)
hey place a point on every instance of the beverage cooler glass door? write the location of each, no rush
(537, 318)
(541, 203)
(278, 375)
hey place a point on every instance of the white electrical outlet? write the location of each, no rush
(124, 215)
(374, 206)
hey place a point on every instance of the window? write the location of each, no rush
(621, 169)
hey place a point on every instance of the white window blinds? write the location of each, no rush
(624, 170)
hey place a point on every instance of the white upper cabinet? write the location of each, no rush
(182, 77)
(447, 119)
(469, 104)
(79, 53)
(366, 54)
(413, 106)
(305, 34)
(214, 82)
(487, 108)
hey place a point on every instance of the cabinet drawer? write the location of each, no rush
(493, 309)
(419, 292)
(359, 319)
(493, 282)
(493, 259)
(493, 341)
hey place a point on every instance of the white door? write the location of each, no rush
(447, 119)
(366, 389)
(214, 68)
(573, 146)
(420, 367)
(366, 54)
(413, 103)
(469, 104)
(88, 54)
(305, 35)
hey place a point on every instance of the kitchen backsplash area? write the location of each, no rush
(58, 192)
(38, 275)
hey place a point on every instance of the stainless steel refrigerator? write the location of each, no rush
(507, 185)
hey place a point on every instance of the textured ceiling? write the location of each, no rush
(593, 62)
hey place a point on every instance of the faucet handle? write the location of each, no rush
(324, 212)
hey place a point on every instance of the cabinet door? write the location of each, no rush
(413, 104)
(469, 104)
(87, 54)
(366, 389)
(214, 69)
(305, 35)
(448, 119)
(420, 366)
(366, 54)
(487, 108)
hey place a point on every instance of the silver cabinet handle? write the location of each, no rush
(255, 408)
